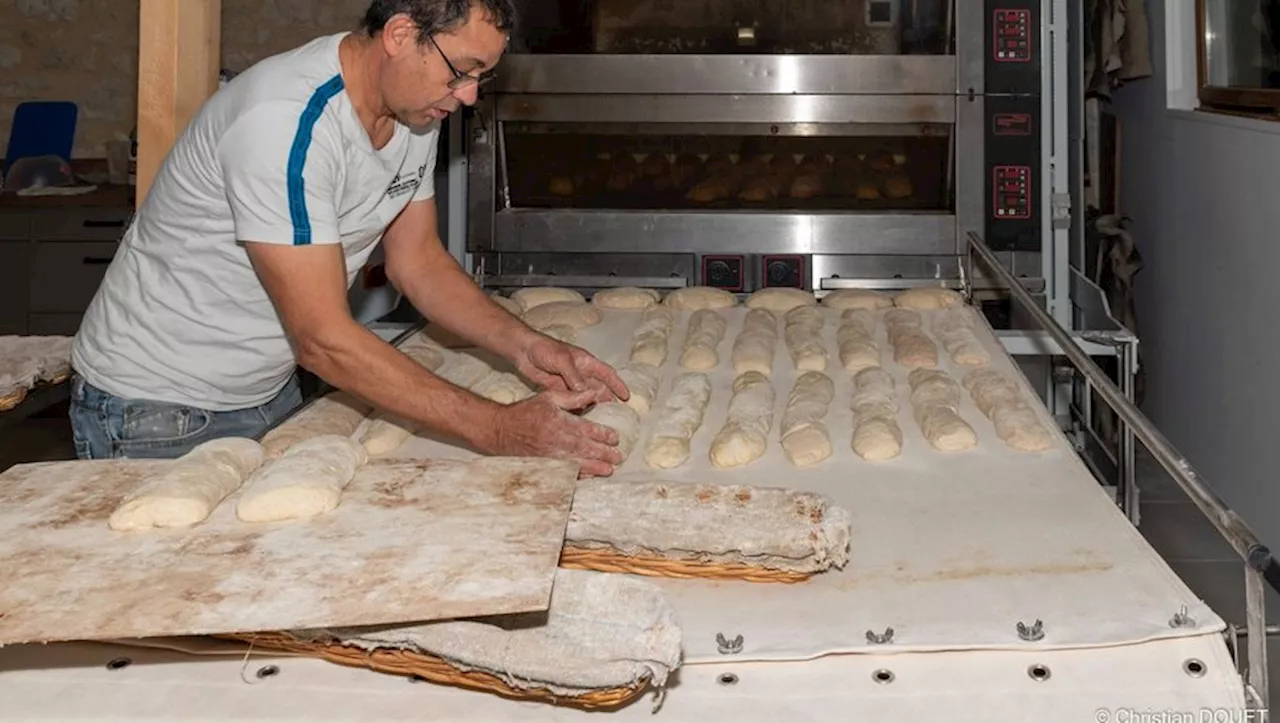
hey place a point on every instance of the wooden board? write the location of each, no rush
(411, 541)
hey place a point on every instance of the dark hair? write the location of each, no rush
(438, 16)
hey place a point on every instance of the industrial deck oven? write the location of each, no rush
(749, 144)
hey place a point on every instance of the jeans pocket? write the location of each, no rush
(145, 426)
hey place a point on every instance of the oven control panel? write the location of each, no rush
(1013, 52)
(1012, 36)
(782, 270)
(1013, 166)
(725, 272)
(1011, 189)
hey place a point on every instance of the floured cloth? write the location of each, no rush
(759, 527)
(28, 360)
(600, 632)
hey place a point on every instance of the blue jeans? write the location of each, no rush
(106, 426)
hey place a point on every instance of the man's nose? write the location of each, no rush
(467, 95)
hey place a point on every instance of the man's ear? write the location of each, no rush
(399, 35)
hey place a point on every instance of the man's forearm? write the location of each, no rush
(445, 294)
(359, 362)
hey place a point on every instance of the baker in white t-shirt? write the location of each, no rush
(238, 265)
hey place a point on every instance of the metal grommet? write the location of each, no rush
(727, 679)
(118, 663)
(1038, 672)
(1194, 667)
(883, 676)
(267, 671)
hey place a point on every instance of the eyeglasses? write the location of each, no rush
(460, 80)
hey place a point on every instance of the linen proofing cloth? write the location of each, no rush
(1117, 45)
(601, 631)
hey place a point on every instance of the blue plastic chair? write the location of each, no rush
(42, 128)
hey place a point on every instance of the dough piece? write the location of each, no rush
(693, 298)
(745, 434)
(928, 297)
(954, 328)
(502, 387)
(335, 413)
(780, 299)
(625, 298)
(576, 314)
(385, 433)
(620, 418)
(855, 341)
(876, 434)
(307, 481)
(649, 340)
(642, 381)
(509, 305)
(463, 370)
(868, 299)
(1016, 423)
(935, 401)
(536, 296)
(902, 319)
(706, 330)
(898, 187)
(804, 437)
(754, 347)
(912, 348)
(186, 492)
(428, 357)
(803, 335)
(561, 332)
(679, 418)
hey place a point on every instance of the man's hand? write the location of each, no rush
(556, 366)
(540, 427)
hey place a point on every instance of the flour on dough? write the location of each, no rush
(912, 347)
(335, 413)
(744, 436)
(650, 339)
(780, 299)
(576, 314)
(186, 491)
(803, 435)
(625, 298)
(463, 370)
(535, 296)
(642, 383)
(307, 481)
(867, 299)
(997, 396)
(510, 305)
(502, 387)
(678, 419)
(755, 345)
(693, 298)
(705, 332)
(803, 335)
(935, 402)
(855, 340)
(620, 418)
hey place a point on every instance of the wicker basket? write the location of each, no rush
(607, 560)
(426, 667)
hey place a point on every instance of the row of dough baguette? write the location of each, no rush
(694, 298)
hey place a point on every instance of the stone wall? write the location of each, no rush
(86, 51)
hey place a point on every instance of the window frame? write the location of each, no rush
(1257, 102)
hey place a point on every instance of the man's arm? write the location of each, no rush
(422, 269)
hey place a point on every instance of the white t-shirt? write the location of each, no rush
(277, 156)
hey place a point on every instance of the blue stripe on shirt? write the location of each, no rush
(298, 158)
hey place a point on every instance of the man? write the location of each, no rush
(238, 265)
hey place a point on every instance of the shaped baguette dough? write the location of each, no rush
(649, 340)
(866, 299)
(187, 492)
(693, 298)
(856, 345)
(463, 370)
(642, 382)
(502, 387)
(561, 332)
(576, 314)
(334, 413)
(804, 437)
(744, 436)
(876, 434)
(780, 299)
(1017, 425)
(510, 305)
(706, 331)
(928, 297)
(912, 348)
(620, 418)
(935, 400)
(626, 298)
(954, 328)
(307, 481)
(535, 296)
(803, 336)
(755, 345)
(679, 418)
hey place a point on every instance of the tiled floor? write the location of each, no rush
(1170, 522)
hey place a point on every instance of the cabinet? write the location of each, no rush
(52, 260)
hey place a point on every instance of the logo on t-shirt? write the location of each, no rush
(406, 182)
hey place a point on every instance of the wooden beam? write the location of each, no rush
(179, 46)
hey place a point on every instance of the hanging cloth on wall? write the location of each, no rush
(1117, 44)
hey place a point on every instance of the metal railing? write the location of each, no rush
(1260, 565)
